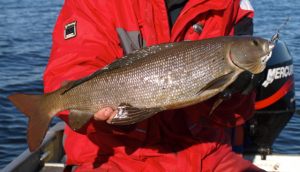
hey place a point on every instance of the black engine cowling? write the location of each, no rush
(275, 102)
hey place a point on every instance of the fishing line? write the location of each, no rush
(275, 37)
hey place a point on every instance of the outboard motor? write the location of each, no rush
(275, 102)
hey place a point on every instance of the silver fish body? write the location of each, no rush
(153, 79)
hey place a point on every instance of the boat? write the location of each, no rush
(50, 157)
(275, 105)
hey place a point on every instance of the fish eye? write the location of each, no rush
(255, 42)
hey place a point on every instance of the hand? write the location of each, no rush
(105, 114)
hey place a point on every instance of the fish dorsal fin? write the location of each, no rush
(139, 54)
(122, 62)
(78, 118)
(72, 84)
(67, 85)
(128, 114)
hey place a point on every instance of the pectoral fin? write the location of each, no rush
(219, 83)
(215, 105)
(128, 114)
(217, 86)
(78, 118)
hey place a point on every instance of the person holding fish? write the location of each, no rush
(182, 136)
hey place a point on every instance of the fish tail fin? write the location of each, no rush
(39, 115)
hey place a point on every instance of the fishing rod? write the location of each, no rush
(275, 37)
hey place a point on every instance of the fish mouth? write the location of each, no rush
(265, 58)
(268, 48)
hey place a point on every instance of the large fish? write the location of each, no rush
(150, 80)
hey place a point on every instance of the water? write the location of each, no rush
(25, 42)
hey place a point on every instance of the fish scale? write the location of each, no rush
(139, 88)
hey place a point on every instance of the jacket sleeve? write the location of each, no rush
(84, 40)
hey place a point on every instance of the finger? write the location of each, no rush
(113, 114)
(103, 114)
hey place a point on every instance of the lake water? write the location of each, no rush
(25, 42)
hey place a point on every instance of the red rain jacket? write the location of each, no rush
(182, 140)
